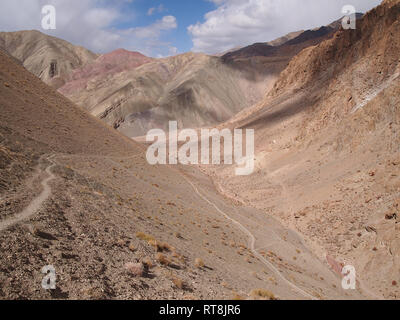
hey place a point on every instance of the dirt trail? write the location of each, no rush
(35, 204)
(252, 242)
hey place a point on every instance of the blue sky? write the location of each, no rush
(160, 28)
(187, 12)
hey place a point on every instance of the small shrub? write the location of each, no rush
(199, 263)
(166, 247)
(135, 269)
(154, 244)
(162, 259)
(121, 243)
(147, 263)
(144, 237)
(264, 294)
(160, 246)
(179, 283)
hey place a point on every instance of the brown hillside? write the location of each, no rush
(193, 89)
(47, 57)
(327, 149)
(79, 196)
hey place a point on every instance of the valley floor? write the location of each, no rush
(105, 212)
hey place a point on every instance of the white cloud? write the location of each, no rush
(90, 23)
(148, 38)
(154, 30)
(154, 10)
(243, 22)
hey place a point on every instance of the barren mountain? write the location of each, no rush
(47, 57)
(276, 42)
(80, 197)
(105, 66)
(134, 93)
(273, 57)
(328, 150)
(194, 89)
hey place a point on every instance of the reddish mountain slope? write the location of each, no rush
(104, 66)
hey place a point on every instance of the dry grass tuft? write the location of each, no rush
(199, 263)
(148, 263)
(144, 237)
(179, 283)
(162, 259)
(135, 269)
(160, 246)
(263, 294)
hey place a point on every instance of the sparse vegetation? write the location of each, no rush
(160, 246)
(263, 294)
(179, 283)
(144, 237)
(132, 247)
(162, 259)
(199, 263)
(121, 243)
(148, 263)
(135, 269)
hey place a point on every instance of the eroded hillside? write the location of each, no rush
(81, 197)
(328, 150)
(194, 89)
(47, 57)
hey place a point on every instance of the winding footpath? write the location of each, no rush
(38, 201)
(252, 242)
(35, 204)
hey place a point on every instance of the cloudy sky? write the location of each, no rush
(162, 28)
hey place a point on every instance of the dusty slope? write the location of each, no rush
(47, 57)
(327, 149)
(105, 204)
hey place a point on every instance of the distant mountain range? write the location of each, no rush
(134, 93)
